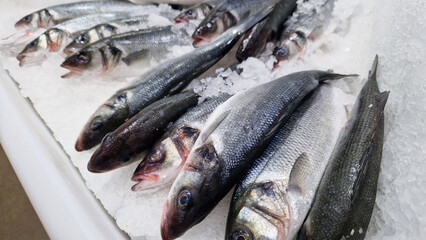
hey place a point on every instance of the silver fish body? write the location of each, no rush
(254, 42)
(234, 135)
(224, 16)
(127, 49)
(56, 38)
(53, 15)
(342, 186)
(307, 22)
(163, 162)
(165, 79)
(273, 199)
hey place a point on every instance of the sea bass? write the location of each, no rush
(254, 42)
(226, 15)
(53, 15)
(139, 132)
(121, 51)
(55, 39)
(162, 164)
(307, 22)
(233, 136)
(197, 12)
(272, 200)
(165, 79)
(342, 186)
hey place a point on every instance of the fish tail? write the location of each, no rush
(372, 76)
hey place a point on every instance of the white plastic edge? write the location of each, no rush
(67, 209)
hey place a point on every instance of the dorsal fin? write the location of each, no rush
(209, 129)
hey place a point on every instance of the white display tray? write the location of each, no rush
(67, 209)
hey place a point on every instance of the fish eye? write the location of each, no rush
(191, 14)
(27, 18)
(109, 28)
(155, 156)
(83, 38)
(96, 123)
(113, 50)
(241, 235)
(83, 58)
(125, 158)
(282, 52)
(184, 199)
(211, 26)
(121, 97)
(33, 43)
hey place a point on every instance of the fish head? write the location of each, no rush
(191, 197)
(80, 42)
(163, 162)
(212, 27)
(292, 44)
(108, 156)
(261, 212)
(107, 118)
(39, 19)
(196, 13)
(37, 49)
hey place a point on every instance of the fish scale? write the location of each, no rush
(234, 135)
(313, 130)
(343, 179)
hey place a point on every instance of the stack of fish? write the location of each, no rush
(278, 142)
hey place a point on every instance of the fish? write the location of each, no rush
(224, 16)
(135, 48)
(342, 186)
(307, 23)
(164, 160)
(54, 39)
(53, 15)
(273, 198)
(165, 79)
(196, 12)
(233, 137)
(140, 132)
(254, 42)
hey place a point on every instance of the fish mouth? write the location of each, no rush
(28, 61)
(79, 146)
(199, 41)
(74, 71)
(164, 224)
(180, 20)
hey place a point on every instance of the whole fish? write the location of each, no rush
(233, 136)
(127, 49)
(342, 185)
(307, 22)
(165, 79)
(197, 12)
(105, 30)
(139, 132)
(226, 15)
(254, 42)
(162, 164)
(273, 199)
(54, 39)
(53, 15)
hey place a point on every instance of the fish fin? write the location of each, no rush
(135, 56)
(323, 76)
(381, 100)
(209, 129)
(299, 172)
(372, 76)
(362, 172)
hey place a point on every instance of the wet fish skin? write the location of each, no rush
(139, 132)
(342, 184)
(163, 162)
(306, 23)
(105, 30)
(54, 39)
(234, 135)
(274, 196)
(224, 16)
(196, 12)
(127, 49)
(165, 79)
(53, 15)
(254, 42)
